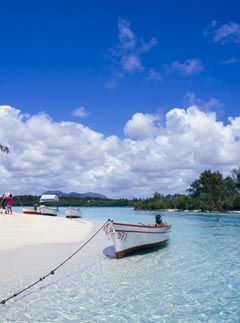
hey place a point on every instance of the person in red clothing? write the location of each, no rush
(9, 204)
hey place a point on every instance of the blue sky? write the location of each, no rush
(55, 58)
(123, 98)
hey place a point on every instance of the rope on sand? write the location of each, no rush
(52, 272)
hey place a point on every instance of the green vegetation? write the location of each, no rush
(30, 200)
(211, 192)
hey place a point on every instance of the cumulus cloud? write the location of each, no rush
(229, 32)
(127, 55)
(80, 112)
(188, 67)
(142, 126)
(153, 156)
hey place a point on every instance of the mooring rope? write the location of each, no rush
(52, 272)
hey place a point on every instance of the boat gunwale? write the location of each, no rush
(154, 232)
(144, 226)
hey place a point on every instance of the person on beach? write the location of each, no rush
(1, 200)
(4, 203)
(9, 204)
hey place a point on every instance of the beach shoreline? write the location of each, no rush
(31, 245)
(19, 230)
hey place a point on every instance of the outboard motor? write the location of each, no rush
(158, 219)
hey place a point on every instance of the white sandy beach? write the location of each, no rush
(20, 230)
(31, 244)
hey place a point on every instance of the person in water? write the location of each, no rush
(218, 220)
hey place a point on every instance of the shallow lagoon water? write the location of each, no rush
(195, 278)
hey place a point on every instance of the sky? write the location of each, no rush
(122, 98)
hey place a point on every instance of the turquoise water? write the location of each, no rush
(195, 278)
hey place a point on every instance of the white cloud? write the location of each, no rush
(131, 63)
(127, 39)
(153, 75)
(68, 156)
(127, 55)
(188, 67)
(142, 126)
(145, 47)
(80, 112)
(214, 104)
(229, 32)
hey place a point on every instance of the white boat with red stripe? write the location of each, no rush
(128, 238)
(42, 209)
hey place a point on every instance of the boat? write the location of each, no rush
(128, 238)
(72, 213)
(42, 209)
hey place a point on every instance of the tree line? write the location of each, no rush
(30, 200)
(210, 192)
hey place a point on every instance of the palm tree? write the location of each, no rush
(236, 176)
(5, 149)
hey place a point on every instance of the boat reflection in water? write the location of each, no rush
(128, 238)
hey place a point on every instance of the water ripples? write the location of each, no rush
(195, 278)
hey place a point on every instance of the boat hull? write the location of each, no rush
(29, 211)
(125, 252)
(41, 211)
(128, 238)
(71, 213)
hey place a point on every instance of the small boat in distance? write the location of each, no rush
(72, 213)
(42, 209)
(131, 237)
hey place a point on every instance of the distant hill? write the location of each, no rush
(74, 194)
